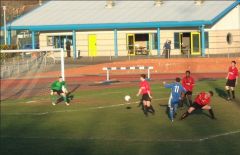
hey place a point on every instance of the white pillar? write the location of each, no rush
(5, 25)
(62, 65)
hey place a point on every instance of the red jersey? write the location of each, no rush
(232, 73)
(145, 87)
(188, 83)
(203, 99)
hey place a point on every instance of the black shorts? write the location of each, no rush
(231, 83)
(188, 93)
(196, 106)
(145, 97)
(59, 92)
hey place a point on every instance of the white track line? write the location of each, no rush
(133, 140)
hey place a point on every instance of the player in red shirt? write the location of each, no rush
(232, 80)
(188, 83)
(202, 101)
(146, 95)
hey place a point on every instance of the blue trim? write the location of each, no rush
(9, 37)
(115, 43)
(74, 44)
(33, 40)
(158, 42)
(112, 26)
(202, 40)
(226, 11)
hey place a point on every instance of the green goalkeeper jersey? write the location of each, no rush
(56, 85)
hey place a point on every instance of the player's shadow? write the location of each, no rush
(167, 109)
(201, 112)
(221, 93)
(70, 96)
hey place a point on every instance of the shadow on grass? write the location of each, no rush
(221, 93)
(70, 96)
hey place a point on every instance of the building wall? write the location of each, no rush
(105, 39)
(218, 42)
(230, 21)
(218, 33)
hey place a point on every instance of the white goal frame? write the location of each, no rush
(42, 50)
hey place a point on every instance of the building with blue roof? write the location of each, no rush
(120, 28)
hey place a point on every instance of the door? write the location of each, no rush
(92, 45)
(131, 44)
(195, 43)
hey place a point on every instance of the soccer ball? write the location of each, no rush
(127, 98)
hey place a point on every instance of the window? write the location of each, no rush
(154, 41)
(229, 38)
(206, 40)
(50, 41)
(58, 41)
(176, 40)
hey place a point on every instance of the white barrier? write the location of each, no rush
(108, 69)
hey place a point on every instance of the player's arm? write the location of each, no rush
(167, 85)
(139, 91)
(149, 94)
(193, 82)
(53, 85)
(64, 88)
(183, 89)
(228, 73)
(237, 77)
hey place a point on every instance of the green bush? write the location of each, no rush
(4, 56)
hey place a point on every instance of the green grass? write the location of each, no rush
(91, 125)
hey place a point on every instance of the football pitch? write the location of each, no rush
(100, 122)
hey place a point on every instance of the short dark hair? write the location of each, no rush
(234, 62)
(188, 71)
(178, 79)
(211, 92)
(143, 76)
(60, 77)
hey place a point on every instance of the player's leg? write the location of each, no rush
(150, 107)
(171, 112)
(207, 107)
(53, 97)
(189, 97)
(182, 100)
(188, 112)
(65, 98)
(227, 87)
(233, 92)
(145, 109)
(175, 110)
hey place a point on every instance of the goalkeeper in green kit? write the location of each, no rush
(59, 88)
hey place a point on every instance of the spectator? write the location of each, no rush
(68, 48)
(167, 48)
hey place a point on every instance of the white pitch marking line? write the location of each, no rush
(92, 108)
(135, 140)
(31, 101)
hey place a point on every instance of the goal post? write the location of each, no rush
(49, 52)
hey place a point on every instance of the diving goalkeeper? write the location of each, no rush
(58, 87)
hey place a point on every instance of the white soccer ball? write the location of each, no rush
(127, 98)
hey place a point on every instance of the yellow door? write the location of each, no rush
(92, 45)
(131, 44)
(195, 43)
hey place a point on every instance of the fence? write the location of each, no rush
(109, 56)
